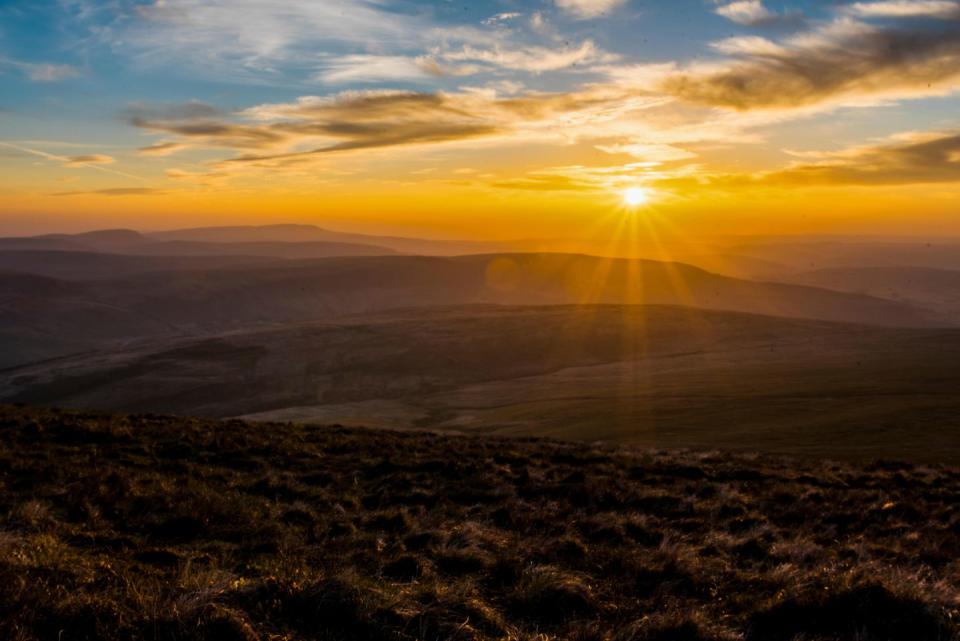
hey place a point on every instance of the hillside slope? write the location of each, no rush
(934, 289)
(156, 528)
(651, 375)
(205, 302)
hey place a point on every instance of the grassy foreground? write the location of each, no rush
(159, 528)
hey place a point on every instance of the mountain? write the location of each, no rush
(823, 254)
(83, 265)
(650, 375)
(128, 242)
(272, 249)
(934, 289)
(310, 233)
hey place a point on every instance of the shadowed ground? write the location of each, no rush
(152, 527)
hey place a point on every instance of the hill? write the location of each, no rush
(131, 243)
(308, 290)
(934, 289)
(290, 233)
(650, 375)
(85, 265)
(150, 527)
(239, 293)
(808, 254)
(280, 241)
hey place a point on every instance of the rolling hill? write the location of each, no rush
(139, 302)
(651, 375)
(132, 243)
(287, 233)
(310, 290)
(807, 255)
(934, 289)
(84, 265)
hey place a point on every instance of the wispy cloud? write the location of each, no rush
(264, 40)
(502, 17)
(41, 71)
(92, 161)
(88, 159)
(754, 13)
(162, 148)
(362, 120)
(585, 9)
(907, 9)
(358, 68)
(579, 178)
(912, 158)
(533, 59)
(846, 61)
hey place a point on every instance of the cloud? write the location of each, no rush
(349, 121)
(93, 161)
(371, 68)
(376, 119)
(41, 71)
(89, 159)
(843, 62)
(266, 41)
(652, 153)
(745, 12)
(907, 9)
(533, 59)
(604, 178)
(502, 17)
(584, 9)
(117, 191)
(198, 122)
(754, 13)
(162, 148)
(468, 60)
(912, 158)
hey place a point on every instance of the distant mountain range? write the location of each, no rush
(280, 241)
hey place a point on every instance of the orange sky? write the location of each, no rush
(505, 120)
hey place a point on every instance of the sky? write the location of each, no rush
(492, 119)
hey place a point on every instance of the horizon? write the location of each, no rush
(494, 121)
(343, 229)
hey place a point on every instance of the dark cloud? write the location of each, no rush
(163, 148)
(368, 120)
(846, 60)
(919, 158)
(88, 159)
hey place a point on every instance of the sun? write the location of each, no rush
(635, 196)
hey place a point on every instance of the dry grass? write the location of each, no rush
(157, 528)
